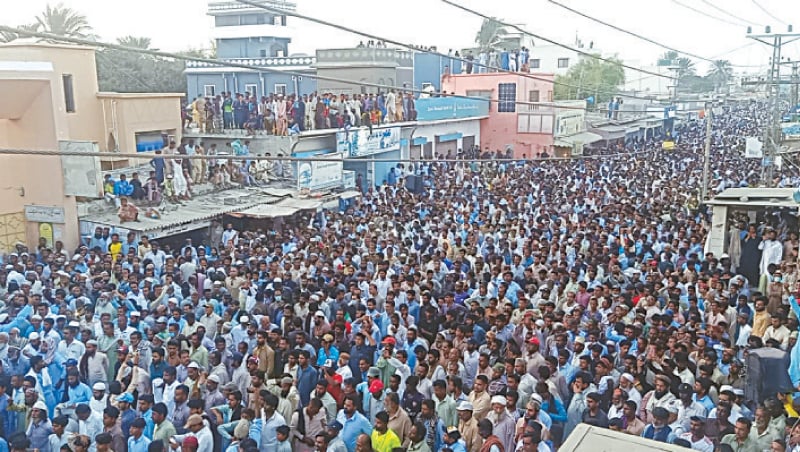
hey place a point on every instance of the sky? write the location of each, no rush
(176, 25)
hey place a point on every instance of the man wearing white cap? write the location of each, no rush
(99, 400)
(468, 427)
(626, 383)
(503, 425)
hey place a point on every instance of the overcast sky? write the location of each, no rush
(180, 24)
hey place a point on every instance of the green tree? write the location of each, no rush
(134, 72)
(720, 73)
(137, 42)
(6, 36)
(490, 35)
(63, 21)
(685, 67)
(591, 77)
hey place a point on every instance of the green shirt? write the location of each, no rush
(747, 446)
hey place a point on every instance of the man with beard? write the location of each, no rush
(76, 393)
(658, 397)
(93, 364)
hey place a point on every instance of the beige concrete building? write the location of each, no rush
(50, 102)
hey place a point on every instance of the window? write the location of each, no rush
(209, 90)
(251, 88)
(507, 97)
(262, 53)
(69, 93)
(535, 63)
(563, 63)
(533, 96)
(280, 88)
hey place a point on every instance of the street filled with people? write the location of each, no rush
(495, 310)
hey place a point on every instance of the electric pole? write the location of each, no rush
(707, 153)
(772, 131)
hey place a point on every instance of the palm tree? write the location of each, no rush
(667, 58)
(685, 67)
(6, 36)
(135, 42)
(63, 21)
(720, 72)
(490, 35)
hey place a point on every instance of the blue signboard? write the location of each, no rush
(360, 142)
(437, 108)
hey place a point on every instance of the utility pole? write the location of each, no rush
(707, 153)
(772, 131)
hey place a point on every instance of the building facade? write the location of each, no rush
(253, 37)
(51, 102)
(512, 123)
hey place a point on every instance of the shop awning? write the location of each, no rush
(349, 194)
(300, 204)
(419, 141)
(577, 139)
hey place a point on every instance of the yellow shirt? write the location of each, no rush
(386, 442)
(115, 249)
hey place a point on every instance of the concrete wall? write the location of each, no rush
(248, 48)
(500, 130)
(85, 124)
(375, 75)
(468, 128)
(29, 180)
(235, 82)
(428, 68)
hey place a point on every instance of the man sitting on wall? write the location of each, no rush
(127, 211)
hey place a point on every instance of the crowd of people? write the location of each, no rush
(290, 114)
(495, 311)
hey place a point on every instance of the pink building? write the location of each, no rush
(527, 129)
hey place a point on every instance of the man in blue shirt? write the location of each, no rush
(137, 442)
(353, 423)
(77, 392)
(306, 377)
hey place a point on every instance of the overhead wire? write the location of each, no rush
(216, 62)
(707, 2)
(551, 41)
(314, 158)
(765, 11)
(637, 35)
(703, 13)
(428, 51)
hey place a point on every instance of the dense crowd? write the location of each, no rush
(290, 114)
(495, 311)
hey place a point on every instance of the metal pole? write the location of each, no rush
(707, 155)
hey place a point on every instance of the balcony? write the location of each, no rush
(222, 7)
(291, 62)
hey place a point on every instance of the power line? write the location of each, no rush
(579, 51)
(728, 13)
(703, 13)
(177, 56)
(411, 46)
(316, 158)
(636, 35)
(765, 11)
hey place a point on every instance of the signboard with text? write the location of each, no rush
(438, 108)
(360, 142)
(320, 174)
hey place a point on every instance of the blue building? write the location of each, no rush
(253, 37)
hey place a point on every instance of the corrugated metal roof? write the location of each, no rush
(266, 211)
(197, 209)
